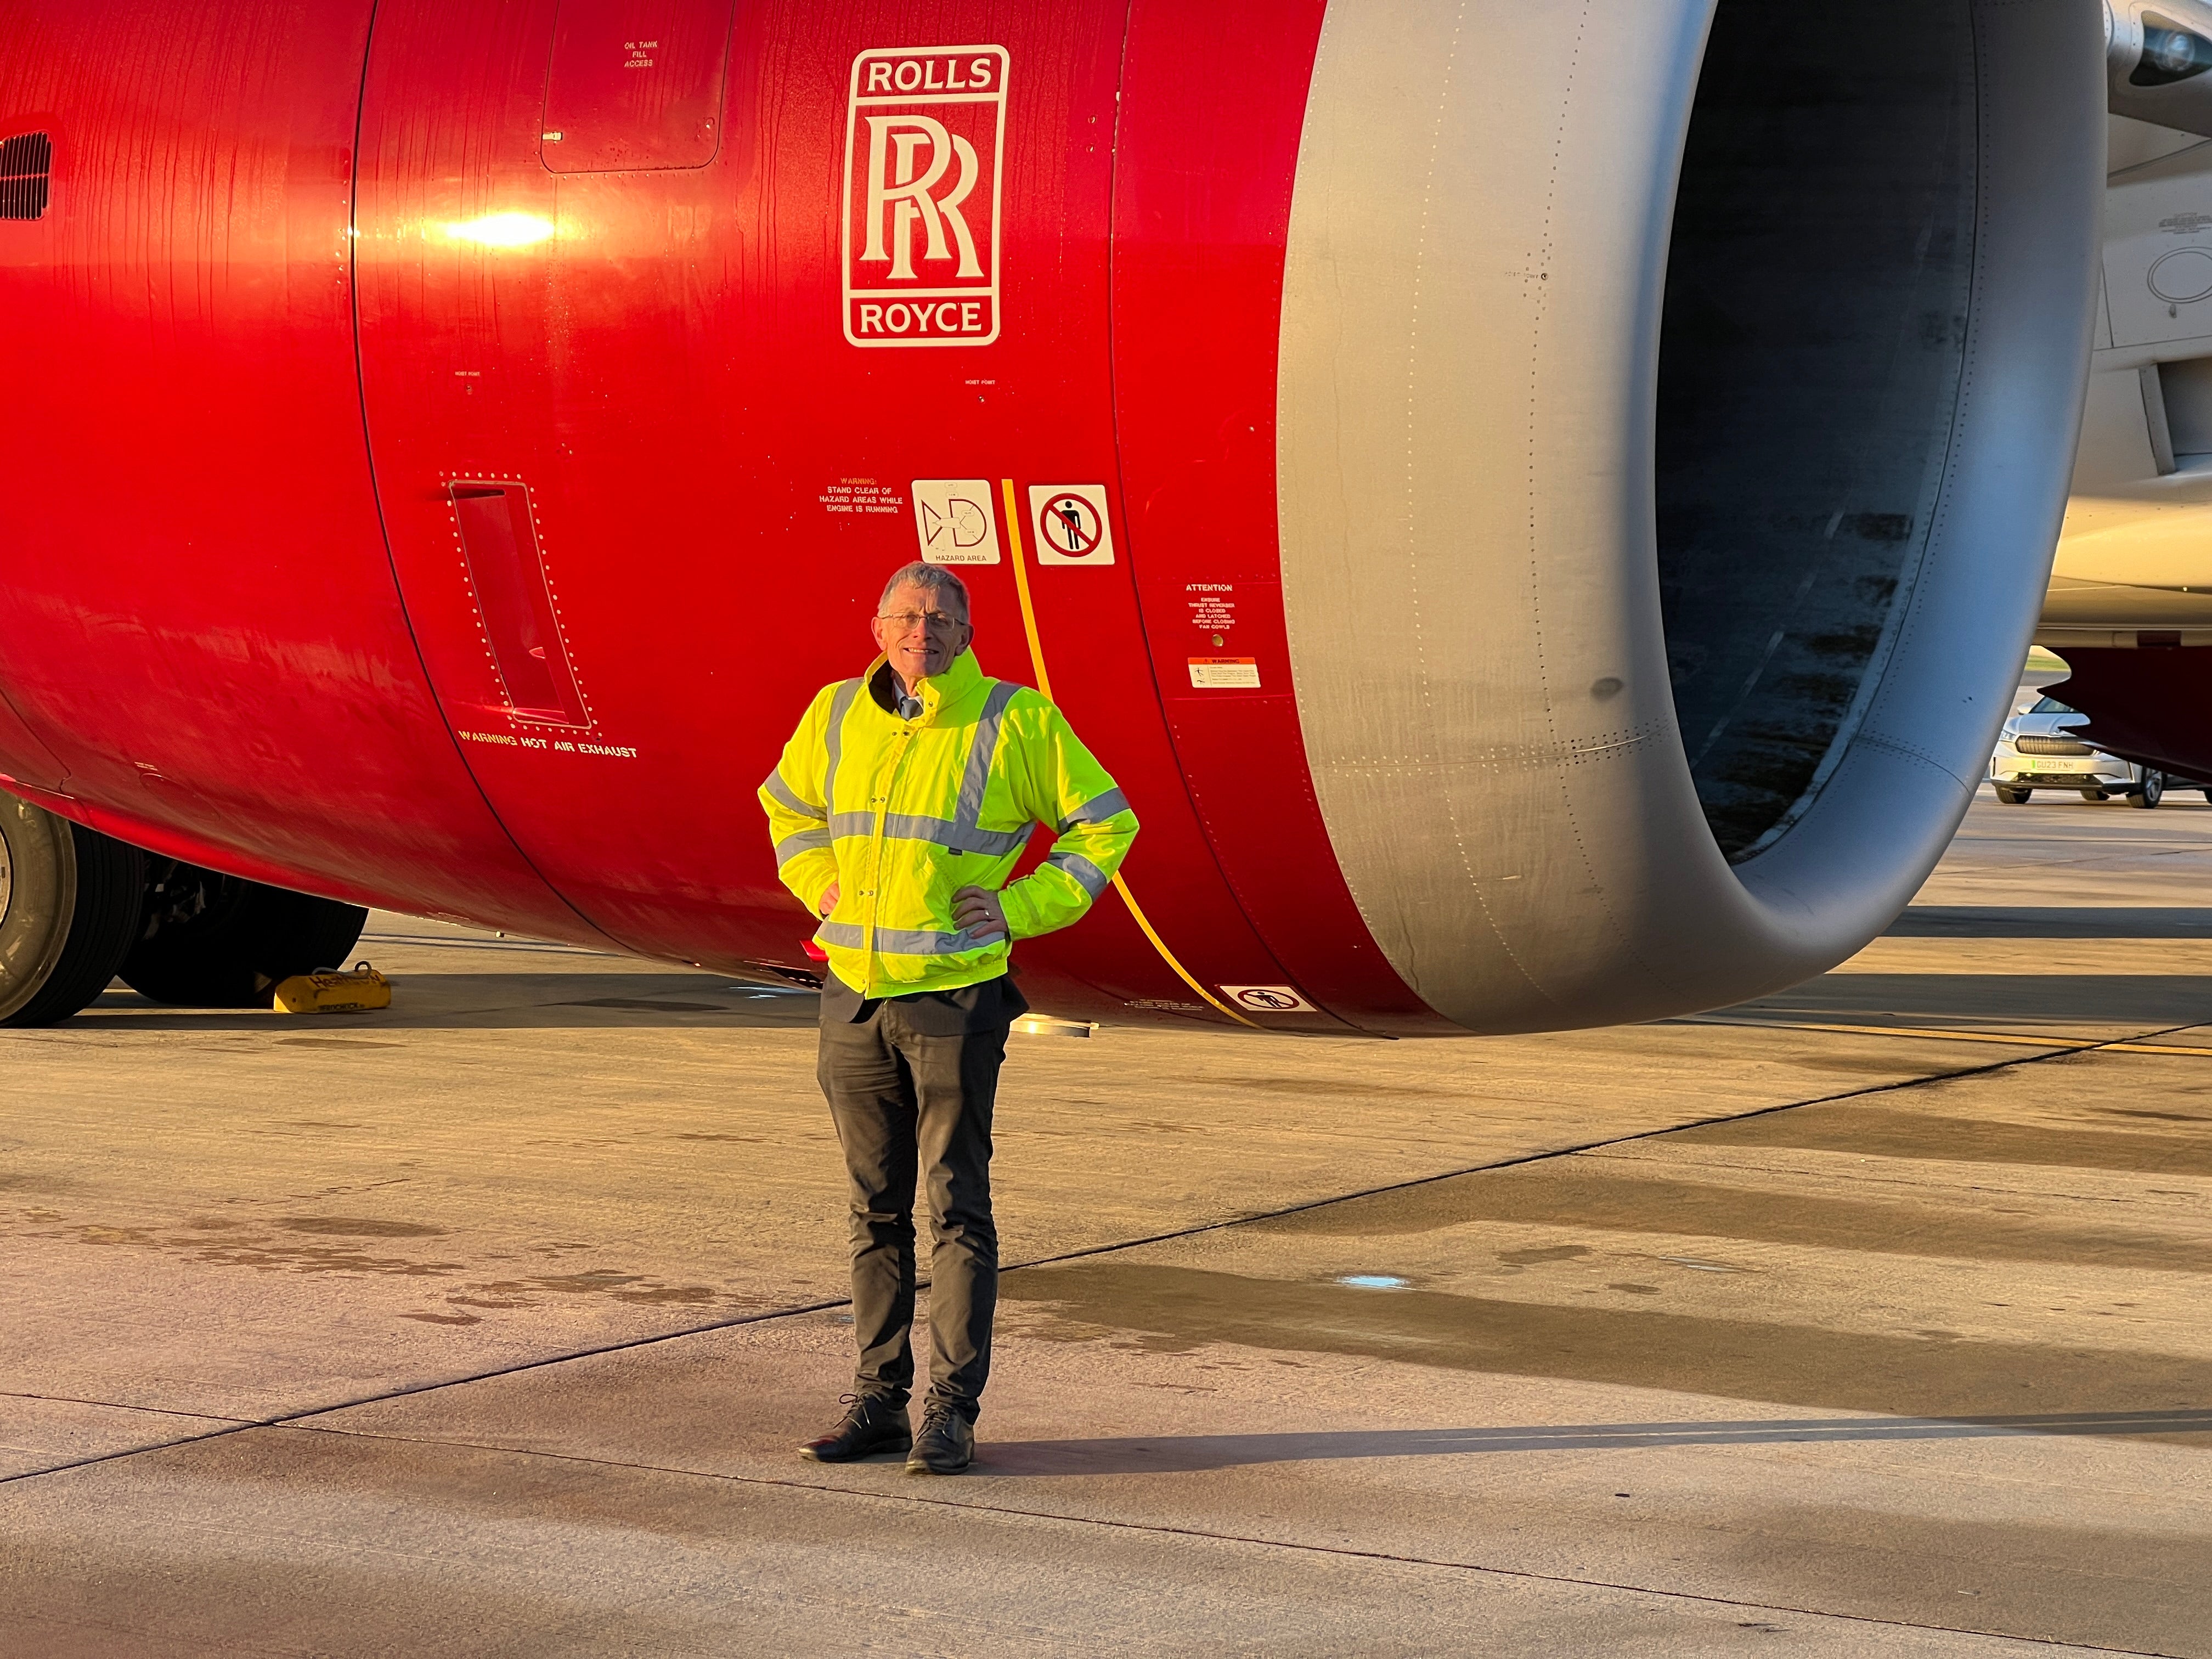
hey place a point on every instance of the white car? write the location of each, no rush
(2037, 750)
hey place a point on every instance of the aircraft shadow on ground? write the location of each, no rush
(2086, 921)
(515, 1001)
(1988, 1001)
(1198, 1453)
(487, 1002)
(1889, 1376)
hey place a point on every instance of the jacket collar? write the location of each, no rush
(961, 682)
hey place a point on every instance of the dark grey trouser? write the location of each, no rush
(906, 1102)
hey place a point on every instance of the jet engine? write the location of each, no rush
(2156, 53)
(1540, 505)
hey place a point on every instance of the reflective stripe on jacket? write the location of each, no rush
(902, 814)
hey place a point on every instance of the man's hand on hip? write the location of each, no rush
(829, 902)
(977, 913)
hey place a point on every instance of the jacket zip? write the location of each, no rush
(876, 854)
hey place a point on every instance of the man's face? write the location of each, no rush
(919, 638)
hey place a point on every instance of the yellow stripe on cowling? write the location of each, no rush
(1044, 684)
(1167, 956)
(1022, 588)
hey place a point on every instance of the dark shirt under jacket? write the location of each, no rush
(980, 1007)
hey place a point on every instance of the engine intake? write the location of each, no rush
(1669, 482)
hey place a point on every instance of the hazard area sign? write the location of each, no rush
(1071, 524)
(953, 521)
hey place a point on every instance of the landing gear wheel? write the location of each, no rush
(2014, 797)
(2150, 791)
(217, 941)
(70, 901)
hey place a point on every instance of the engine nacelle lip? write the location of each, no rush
(1484, 688)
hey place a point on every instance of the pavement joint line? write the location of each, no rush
(292, 1418)
(1162, 1529)
(1729, 1166)
(1932, 1032)
(1940, 1034)
(283, 1419)
(118, 1405)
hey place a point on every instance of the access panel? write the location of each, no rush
(498, 533)
(634, 84)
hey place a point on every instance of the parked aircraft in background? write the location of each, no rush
(1541, 508)
(2129, 607)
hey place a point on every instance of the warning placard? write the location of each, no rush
(1070, 524)
(1226, 673)
(1268, 998)
(953, 521)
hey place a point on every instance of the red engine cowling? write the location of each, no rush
(1538, 505)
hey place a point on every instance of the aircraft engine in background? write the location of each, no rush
(2156, 54)
(1539, 505)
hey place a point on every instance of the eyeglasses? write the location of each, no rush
(904, 622)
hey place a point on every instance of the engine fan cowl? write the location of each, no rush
(1668, 480)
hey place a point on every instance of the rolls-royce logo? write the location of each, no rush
(925, 133)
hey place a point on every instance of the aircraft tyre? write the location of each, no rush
(69, 900)
(209, 940)
(2014, 797)
(2151, 791)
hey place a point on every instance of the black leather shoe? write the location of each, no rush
(870, 1424)
(946, 1445)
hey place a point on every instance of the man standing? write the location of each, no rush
(898, 810)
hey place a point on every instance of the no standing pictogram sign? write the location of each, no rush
(1070, 524)
(1268, 998)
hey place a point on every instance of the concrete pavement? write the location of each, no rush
(1869, 1317)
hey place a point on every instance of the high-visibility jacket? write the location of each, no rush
(902, 813)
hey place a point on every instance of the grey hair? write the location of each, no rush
(931, 579)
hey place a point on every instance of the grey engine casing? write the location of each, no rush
(1676, 407)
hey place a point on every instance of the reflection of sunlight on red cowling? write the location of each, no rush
(501, 230)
